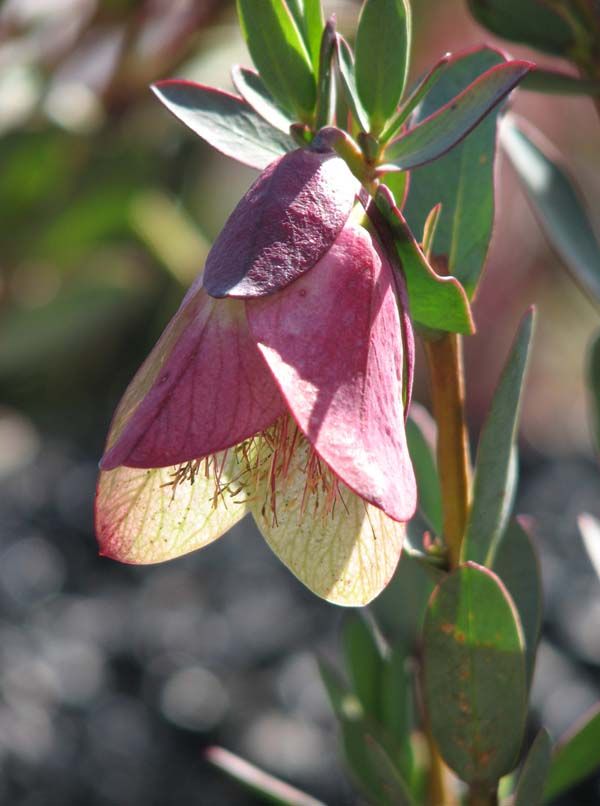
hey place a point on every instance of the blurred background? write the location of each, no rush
(113, 679)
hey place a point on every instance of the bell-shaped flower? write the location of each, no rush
(278, 388)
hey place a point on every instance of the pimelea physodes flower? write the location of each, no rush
(278, 388)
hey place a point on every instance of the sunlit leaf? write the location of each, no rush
(462, 180)
(446, 127)
(225, 121)
(279, 53)
(252, 89)
(346, 69)
(436, 302)
(382, 56)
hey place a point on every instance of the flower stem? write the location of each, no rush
(444, 357)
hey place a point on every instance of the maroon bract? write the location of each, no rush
(282, 226)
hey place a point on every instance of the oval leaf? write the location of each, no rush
(577, 755)
(382, 56)
(475, 685)
(438, 133)
(279, 53)
(530, 789)
(225, 121)
(252, 89)
(462, 181)
(494, 481)
(556, 203)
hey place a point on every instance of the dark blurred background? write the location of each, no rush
(113, 678)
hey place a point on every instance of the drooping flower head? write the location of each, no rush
(277, 389)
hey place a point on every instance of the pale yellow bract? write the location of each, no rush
(148, 520)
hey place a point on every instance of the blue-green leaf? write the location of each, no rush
(462, 181)
(423, 460)
(556, 203)
(530, 789)
(493, 484)
(382, 57)
(364, 663)
(446, 127)
(278, 50)
(225, 121)
(517, 564)
(252, 89)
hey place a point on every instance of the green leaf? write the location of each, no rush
(517, 564)
(314, 23)
(364, 663)
(449, 125)
(556, 203)
(462, 181)
(345, 65)
(258, 781)
(280, 55)
(224, 121)
(556, 83)
(414, 99)
(438, 303)
(527, 21)
(396, 791)
(349, 714)
(398, 182)
(397, 710)
(252, 89)
(594, 386)
(474, 680)
(382, 57)
(326, 89)
(576, 756)
(530, 789)
(494, 481)
(423, 461)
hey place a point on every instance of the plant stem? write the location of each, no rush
(482, 796)
(444, 357)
